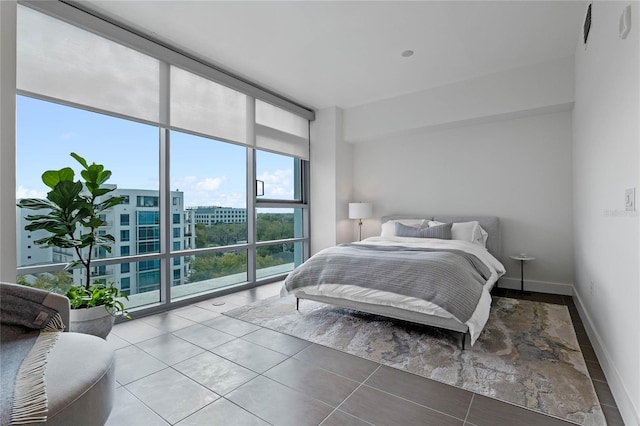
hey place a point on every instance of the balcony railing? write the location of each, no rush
(102, 272)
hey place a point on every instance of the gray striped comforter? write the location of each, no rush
(451, 279)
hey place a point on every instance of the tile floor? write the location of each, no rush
(195, 366)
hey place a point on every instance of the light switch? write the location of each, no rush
(630, 199)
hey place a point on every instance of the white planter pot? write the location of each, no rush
(96, 321)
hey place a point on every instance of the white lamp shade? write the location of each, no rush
(360, 210)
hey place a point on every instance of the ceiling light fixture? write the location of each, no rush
(407, 53)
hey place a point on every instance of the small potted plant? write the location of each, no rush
(72, 220)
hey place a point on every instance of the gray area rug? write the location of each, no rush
(528, 353)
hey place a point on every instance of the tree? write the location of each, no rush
(216, 265)
(220, 234)
(274, 226)
(58, 282)
(201, 235)
(270, 227)
(226, 234)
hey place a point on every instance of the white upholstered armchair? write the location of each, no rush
(48, 376)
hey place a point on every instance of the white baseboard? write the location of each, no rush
(629, 412)
(540, 286)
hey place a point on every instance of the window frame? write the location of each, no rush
(168, 57)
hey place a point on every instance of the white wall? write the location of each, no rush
(345, 230)
(605, 163)
(7, 141)
(331, 183)
(497, 144)
(509, 94)
(516, 169)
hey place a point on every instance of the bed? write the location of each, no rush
(402, 274)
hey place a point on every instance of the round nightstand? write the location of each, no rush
(522, 258)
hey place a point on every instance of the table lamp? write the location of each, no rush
(360, 211)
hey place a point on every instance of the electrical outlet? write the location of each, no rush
(592, 286)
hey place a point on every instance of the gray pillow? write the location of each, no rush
(442, 232)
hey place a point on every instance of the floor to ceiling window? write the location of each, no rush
(214, 180)
(47, 133)
(279, 223)
(212, 176)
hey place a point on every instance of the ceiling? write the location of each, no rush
(348, 53)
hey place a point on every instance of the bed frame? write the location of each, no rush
(491, 224)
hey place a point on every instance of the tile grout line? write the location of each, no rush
(313, 366)
(466, 416)
(219, 395)
(304, 393)
(172, 365)
(413, 402)
(144, 377)
(349, 396)
(244, 409)
(293, 356)
(222, 397)
(167, 366)
(346, 414)
(265, 347)
(195, 344)
(135, 343)
(143, 403)
(166, 363)
(243, 366)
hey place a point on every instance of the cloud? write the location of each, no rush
(238, 200)
(220, 191)
(23, 192)
(180, 184)
(209, 191)
(278, 184)
(211, 184)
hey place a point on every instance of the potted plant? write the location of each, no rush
(72, 221)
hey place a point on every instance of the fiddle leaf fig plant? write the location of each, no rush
(72, 220)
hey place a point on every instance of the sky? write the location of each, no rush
(209, 172)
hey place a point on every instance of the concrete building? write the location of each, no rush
(210, 215)
(135, 226)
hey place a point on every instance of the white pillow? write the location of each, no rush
(389, 227)
(483, 237)
(466, 231)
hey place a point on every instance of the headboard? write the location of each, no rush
(491, 224)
